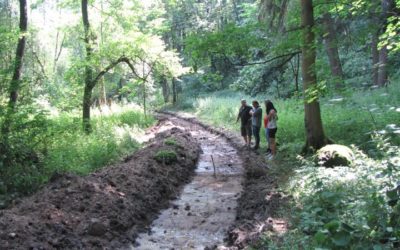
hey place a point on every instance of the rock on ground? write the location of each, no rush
(335, 155)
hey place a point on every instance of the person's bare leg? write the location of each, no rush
(245, 139)
(273, 146)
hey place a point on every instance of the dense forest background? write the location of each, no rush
(79, 79)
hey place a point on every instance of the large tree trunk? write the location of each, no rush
(15, 82)
(331, 45)
(387, 8)
(315, 136)
(87, 95)
(375, 57)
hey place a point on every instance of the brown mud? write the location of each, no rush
(106, 209)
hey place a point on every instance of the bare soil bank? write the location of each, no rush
(106, 209)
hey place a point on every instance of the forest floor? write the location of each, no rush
(118, 205)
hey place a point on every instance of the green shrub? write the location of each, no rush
(166, 156)
(171, 142)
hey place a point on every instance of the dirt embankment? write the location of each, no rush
(259, 203)
(107, 209)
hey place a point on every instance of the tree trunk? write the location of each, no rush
(174, 94)
(315, 136)
(375, 57)
(236, 11)
(295, 70)
(87, 95)
(15, 82)
(87, 102)
(387, 11)
(282, 15)
(165, 89)
(331, 45)
(382, 71)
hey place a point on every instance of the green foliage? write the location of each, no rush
(166, 156)
(339, 208)
(38, 146)
(350, 208)
(171, 142)
(232, 41)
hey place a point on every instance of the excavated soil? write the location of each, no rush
(107, 209)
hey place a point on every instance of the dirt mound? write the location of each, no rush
(104, 210)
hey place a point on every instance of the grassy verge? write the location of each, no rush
(341, 208)
(41, 146)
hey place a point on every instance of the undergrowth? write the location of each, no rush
(38, 146)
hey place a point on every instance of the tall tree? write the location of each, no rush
(19, 55)
(331, 45)
(387, 11)
(89, 85)
(315, 136)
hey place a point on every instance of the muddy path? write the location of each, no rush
(206, 208)
(258, 206)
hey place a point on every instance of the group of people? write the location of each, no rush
(251, 118)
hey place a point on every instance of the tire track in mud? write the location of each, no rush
(206, 208)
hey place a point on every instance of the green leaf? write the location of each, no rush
(332, 226)
(341, 238)
(392, 194)
(320, 237)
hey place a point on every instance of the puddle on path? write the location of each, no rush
(205, 210)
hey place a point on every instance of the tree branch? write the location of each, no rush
(270, 60)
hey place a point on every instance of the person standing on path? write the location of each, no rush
(256, 118)
(266, 128)
(272, 118)
(245, 119)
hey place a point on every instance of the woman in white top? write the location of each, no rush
(272, 126)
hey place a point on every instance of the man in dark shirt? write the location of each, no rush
(245, 125)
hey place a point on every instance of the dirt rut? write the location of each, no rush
(206, 209)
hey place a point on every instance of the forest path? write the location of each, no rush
(206, 208)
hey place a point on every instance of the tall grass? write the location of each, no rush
(349, 119)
